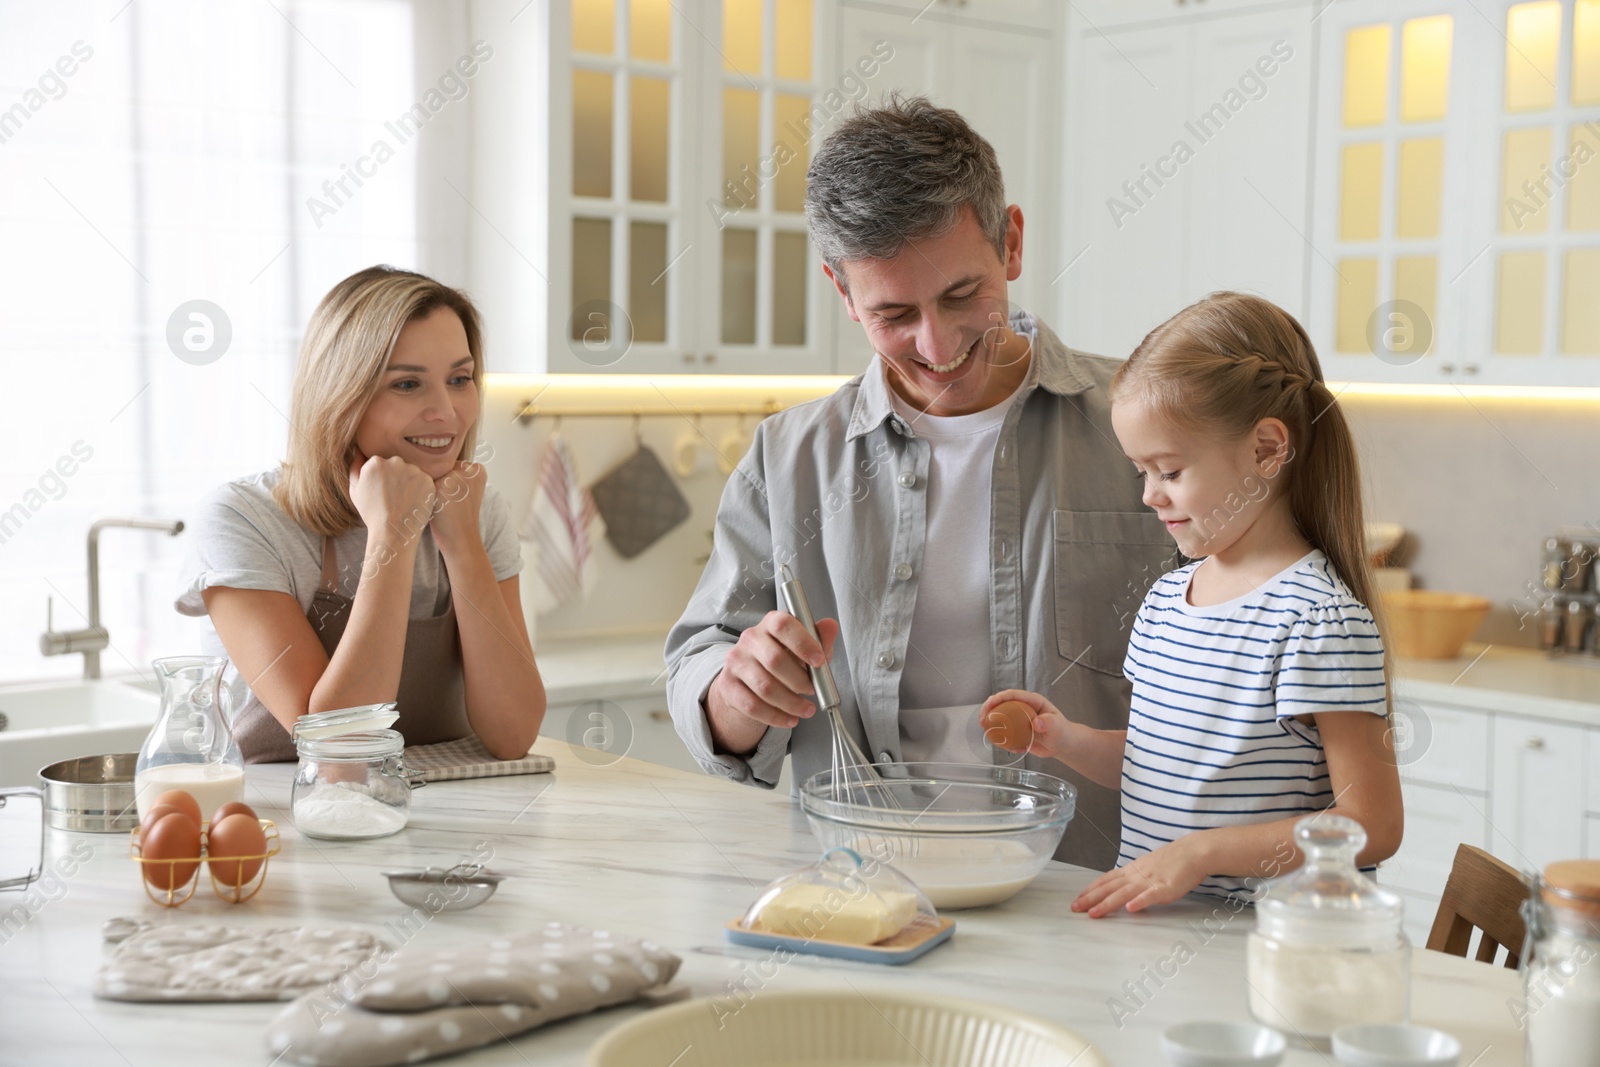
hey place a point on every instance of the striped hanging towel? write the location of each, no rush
(563, 524)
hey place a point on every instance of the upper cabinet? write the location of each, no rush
(680, 133)
(1458, 231)
(1184, 164)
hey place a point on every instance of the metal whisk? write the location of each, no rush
(854, 777)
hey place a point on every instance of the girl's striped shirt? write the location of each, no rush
(1212, 734)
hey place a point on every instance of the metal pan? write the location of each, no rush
(92, 794)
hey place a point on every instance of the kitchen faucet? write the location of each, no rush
(94, 637)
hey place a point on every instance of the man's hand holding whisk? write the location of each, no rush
(766, 680)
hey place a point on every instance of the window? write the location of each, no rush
(168, 153)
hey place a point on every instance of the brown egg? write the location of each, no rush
(172, 837)
(154, 815)
(1009, 725)
(181, 799)
(229, 838)
(232, 807)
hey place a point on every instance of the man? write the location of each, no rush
(960, 514)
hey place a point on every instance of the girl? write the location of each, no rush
(1259, 692)
(375, 564)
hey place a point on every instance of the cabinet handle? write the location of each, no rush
(1534, 742)
(688, 357)
(709, 357)
(657, 715)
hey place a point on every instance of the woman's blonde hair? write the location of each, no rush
(342, 362)
(1225, 363)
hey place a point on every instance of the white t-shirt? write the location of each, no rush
(947, 671)
(239, 537)
(1212, 734)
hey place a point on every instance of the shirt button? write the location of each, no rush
(884, 757)
(1005, 644)
(902, 571)
(908, 479)
(1003, 451)
(1005, 549)
(886, 659)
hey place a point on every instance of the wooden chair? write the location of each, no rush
(1485, 894)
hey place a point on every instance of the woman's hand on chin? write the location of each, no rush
(458, 497)
(391, 495)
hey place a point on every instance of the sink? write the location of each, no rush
(51, 721)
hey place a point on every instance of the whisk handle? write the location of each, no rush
(794, 598)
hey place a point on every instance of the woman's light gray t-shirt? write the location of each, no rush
(239, 537)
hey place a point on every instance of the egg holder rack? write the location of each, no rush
(233, 894)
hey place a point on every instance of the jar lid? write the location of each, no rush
(357, 746)
(345, 721)
(1328, 901)
(1573, 885)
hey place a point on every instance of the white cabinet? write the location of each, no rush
(1040, 14)
(1456, 238)
(1537, 794)
(1438, 819)
(1184, 169)
(984, 60)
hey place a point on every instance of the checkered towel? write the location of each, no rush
(467, 758)
(563, 523)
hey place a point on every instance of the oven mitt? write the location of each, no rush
(639, 502)
(436, 1002)
(182, 961)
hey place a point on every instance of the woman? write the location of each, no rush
(375, 564)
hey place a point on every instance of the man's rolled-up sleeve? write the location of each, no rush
(735, 592)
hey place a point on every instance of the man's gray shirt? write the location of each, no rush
(836, 488)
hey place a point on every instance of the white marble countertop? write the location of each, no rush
(1515, 681)
(651, 852)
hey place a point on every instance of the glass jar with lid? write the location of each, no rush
(1328, 949)
(351, 786)
(1561, 966)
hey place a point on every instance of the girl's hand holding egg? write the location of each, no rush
(1024, 723)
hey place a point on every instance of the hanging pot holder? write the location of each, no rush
(640, 502)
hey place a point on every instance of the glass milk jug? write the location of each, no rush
(191, 746)
(1561, 966)
(1328, 950)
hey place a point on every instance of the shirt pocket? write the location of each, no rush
(1105, 562)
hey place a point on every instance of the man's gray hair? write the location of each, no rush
(898, 172)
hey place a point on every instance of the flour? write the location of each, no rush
(344, 812)
(1314, 991)
(1562, 985)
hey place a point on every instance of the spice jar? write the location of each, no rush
(352, 786)
(1561, 966)
(1328, 950)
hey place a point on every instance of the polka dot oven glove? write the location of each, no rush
(427, 1003)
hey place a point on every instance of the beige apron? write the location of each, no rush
(432, 697)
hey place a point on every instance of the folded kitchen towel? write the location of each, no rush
(562, 522)
(467, 758)
(436, 1002)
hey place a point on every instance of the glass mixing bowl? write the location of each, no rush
(968, 835)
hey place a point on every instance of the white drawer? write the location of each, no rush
(1591, 838)
(1441, 745)
(1437, 821)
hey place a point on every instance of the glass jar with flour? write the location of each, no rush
(1328, 950)
(1561, 966)
(352, 786)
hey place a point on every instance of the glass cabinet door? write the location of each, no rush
(1542, 309)
(679, 144)
(761, 278)
(1384, 304)
(618, 188)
